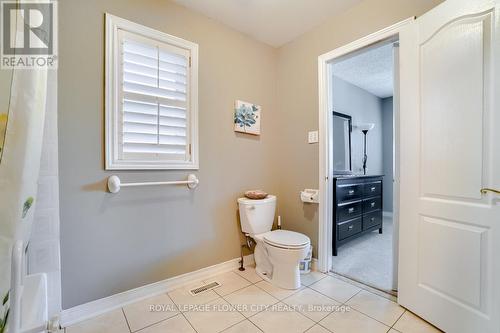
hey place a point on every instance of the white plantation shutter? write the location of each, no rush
(153, 104)
(154, 99)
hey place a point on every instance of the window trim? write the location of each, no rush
(113, 93)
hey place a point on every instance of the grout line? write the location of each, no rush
(235, 310)
(325, 275)
(251, 322)
(182, 313)
(329, 312)
(324, 327)
(232, 292)
(253, 314)
(234, 324)
(364, 314)
(236, 271)
(345, 303)
(171, 300)
(278, 301)
(183, 304)
(126, 319)
(367, 315)
(155, 323)
(194, 329)
(319, 292)
(364, 286)
(392, 327)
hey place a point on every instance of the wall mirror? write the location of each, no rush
(341, 154)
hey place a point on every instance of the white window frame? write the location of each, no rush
(113, 115)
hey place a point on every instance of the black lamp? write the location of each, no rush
(364, 129)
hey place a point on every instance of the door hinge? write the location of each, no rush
(189, 61)
(189, 149)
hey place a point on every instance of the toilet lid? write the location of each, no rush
(286, 238)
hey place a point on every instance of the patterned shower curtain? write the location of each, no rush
(19, 163)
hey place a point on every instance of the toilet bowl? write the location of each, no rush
(277, 253)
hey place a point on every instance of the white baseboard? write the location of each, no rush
(88, 310)
(387, 214)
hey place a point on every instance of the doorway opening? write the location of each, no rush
(362, 158)
(369, 220)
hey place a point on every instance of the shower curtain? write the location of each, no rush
(20, 164)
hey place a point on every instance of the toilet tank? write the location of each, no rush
(257, 216)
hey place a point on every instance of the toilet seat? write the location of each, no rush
(286, 239)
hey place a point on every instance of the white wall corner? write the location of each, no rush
(388, 214)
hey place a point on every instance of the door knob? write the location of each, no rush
(486, 190)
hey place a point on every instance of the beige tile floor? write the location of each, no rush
(247, 304)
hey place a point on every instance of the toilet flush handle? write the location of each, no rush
(251, 207)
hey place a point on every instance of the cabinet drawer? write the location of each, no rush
(372, 219)
(373, 189)
(349, 228)
(349, 211)
(349, 192)
(372, 204)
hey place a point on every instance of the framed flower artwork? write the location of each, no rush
(247, 117)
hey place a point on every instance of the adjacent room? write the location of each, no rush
(363, 155)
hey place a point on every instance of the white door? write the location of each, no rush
(449, 257)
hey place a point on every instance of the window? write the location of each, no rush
(151, 98)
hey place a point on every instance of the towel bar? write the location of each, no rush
(115, 184)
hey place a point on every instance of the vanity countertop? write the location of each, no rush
(354, 176)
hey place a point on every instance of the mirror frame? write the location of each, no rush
(349, 118)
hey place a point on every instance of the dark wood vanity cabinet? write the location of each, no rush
(357, 208)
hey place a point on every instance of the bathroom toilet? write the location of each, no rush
(277, 253)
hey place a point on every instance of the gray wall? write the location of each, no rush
(363, 107)
(298, 98)
(388, 152)
(115, 242)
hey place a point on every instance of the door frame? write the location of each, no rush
(325, 134)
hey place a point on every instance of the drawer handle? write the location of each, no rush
(351, 192)
(350, 227)
(373, 189)
(372, 204)
(372, 219)
(351, 210)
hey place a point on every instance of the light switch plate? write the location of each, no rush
(313, 137)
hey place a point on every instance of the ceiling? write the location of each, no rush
(371, 70)
(274, 22)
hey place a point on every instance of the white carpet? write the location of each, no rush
(368, 259)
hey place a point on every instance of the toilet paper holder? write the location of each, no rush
(309, 196)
